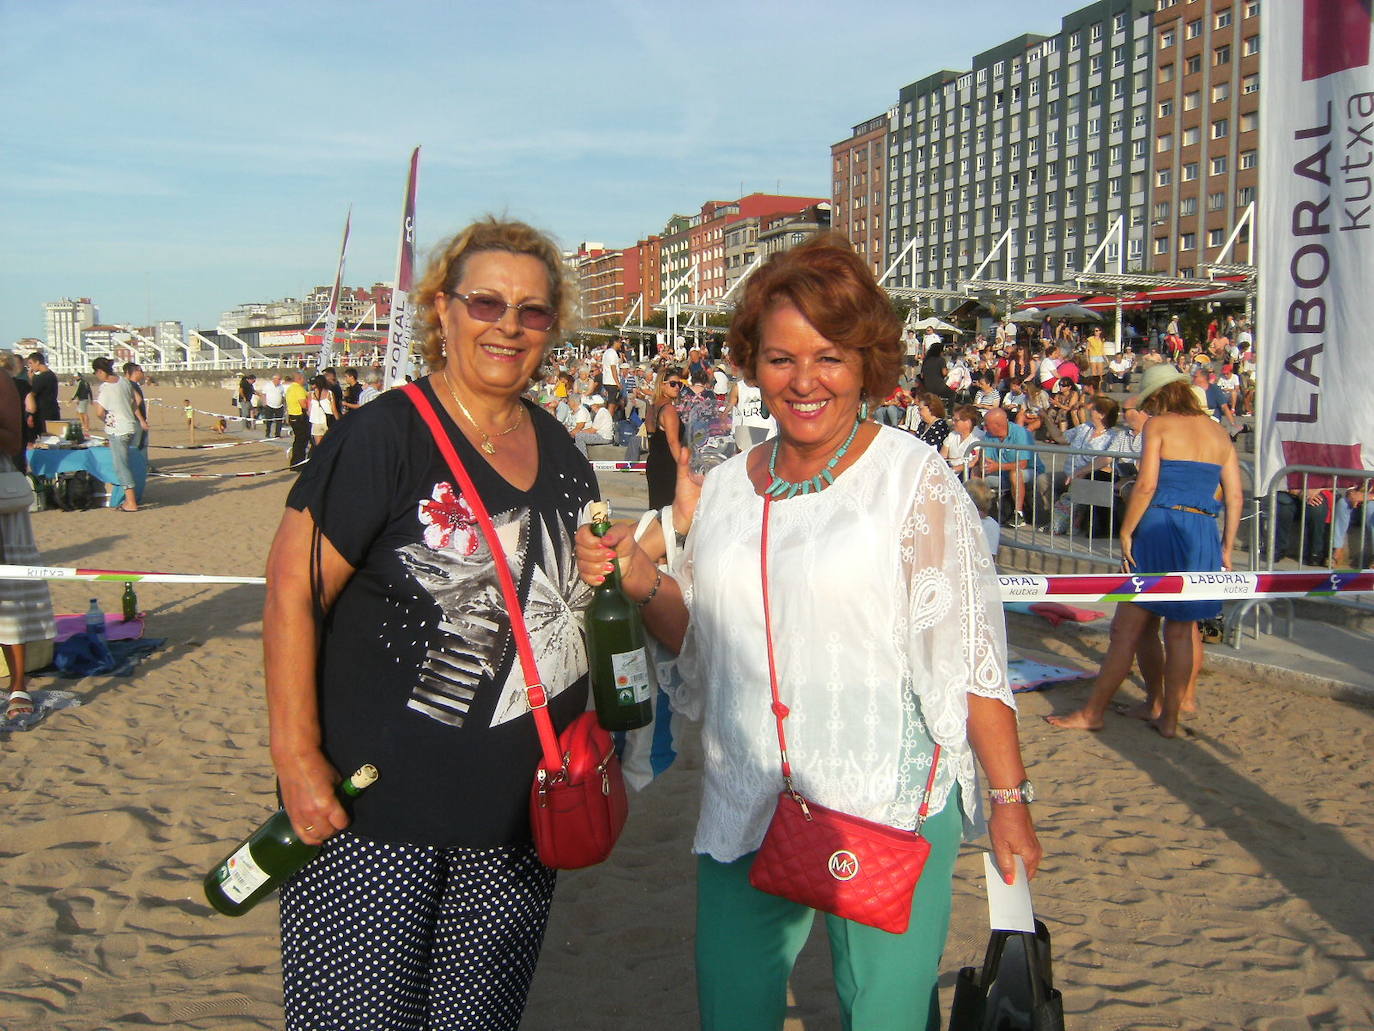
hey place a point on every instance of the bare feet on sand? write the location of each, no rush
(1143, 711)
(1165, 728)
(1079, 720)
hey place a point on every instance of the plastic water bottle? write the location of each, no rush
(95, 620)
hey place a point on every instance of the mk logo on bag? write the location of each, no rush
(843, 865)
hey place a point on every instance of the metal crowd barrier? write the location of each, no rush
(1307, 524)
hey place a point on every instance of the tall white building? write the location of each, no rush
(1047, 136)
(65, 320)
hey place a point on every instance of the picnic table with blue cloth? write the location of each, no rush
(95, 460)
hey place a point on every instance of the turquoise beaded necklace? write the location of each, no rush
(781, 488)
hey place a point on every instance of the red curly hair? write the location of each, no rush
(836, 292)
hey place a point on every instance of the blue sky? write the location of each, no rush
(171, 160)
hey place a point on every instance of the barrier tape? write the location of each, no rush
(118, 575)
(1105, 587)
(209, 447)
(1090, 587)
(611, 467)
(201, 411)
(218, 476)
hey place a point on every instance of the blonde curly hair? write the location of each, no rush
(450, 259)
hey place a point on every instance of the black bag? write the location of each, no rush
(77, 491)
(1014, 991)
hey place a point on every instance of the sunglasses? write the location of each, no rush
(488, 308)
(675, 383)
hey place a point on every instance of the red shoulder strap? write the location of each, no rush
(534, 687)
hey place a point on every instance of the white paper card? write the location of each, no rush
(1009, 905)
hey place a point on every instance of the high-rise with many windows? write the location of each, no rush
(858, 188)
(1206, 131)
(1046, 136)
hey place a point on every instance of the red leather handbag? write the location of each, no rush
(841, 864)
(577, 802)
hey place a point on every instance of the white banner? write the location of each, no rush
(394, 365)
(1316, 236)
(331, 319)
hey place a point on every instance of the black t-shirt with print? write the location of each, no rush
(418, 673)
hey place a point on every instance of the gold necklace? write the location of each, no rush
(486, 444)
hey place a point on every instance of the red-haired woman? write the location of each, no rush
(889, 640)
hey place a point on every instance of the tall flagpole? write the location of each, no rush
(402, 310)
(331, 319)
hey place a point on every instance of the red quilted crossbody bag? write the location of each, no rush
(841, 864)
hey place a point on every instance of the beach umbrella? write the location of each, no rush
(1074, 313)
(1030, 316)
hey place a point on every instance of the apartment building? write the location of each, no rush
(1045, 135)
(1205, 137)
(858, 187)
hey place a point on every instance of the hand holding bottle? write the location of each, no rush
(595, 554)
(308, 792)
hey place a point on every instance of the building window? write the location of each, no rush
(1190, 100)
(1095, 64)
(1191, 136)
(1187, 241)
(1071, 166)
(1052, 138)
(1221, 128)
(1221, 55)
(1095, 32)
(1118, 57)
(1216, 201)
(1248, 159)
(1189, 172)
(1053, 81)
(1165, 142)
(1223, 19)
(1194, 29)
(1245, 195)
(1070, 261)
(1035, 87)
(1249, 84)
(1118, 88)
(1221, 91)
(1251, 46)
(1192, 65)
(1119, 22)
(1094, 95)
(1166, 40)
(1071, 133)
(1094, 127)
(1187, 206)
(1166, 73)
(1114, 187)
(1114, 154)
(1161, 245)
(1138, 118)
(1137, 149)
(1216, 237)
(1074, 41)
(1219, 165)
(1252, 8)
(1164, 177)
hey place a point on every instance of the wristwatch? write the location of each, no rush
(1023, 792)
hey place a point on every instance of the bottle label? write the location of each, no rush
(631, 671)
(242, 876)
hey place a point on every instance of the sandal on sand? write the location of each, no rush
(20, 704)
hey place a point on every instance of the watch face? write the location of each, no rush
(1027, 791)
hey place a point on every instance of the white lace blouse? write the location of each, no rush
(886, 613)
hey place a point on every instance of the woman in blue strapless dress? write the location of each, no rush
(1170, 526)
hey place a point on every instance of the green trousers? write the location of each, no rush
(748, 941)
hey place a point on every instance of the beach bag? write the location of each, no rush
(1014, 990)
(77, 491)
(840, 864)
(16, 493)
(578, 803)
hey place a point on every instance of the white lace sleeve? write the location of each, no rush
(684, 689)
(956, 634)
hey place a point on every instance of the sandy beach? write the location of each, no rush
(1223, 880)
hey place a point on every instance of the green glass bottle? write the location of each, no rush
(270, 855)
(129, 602)
(621, 673)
